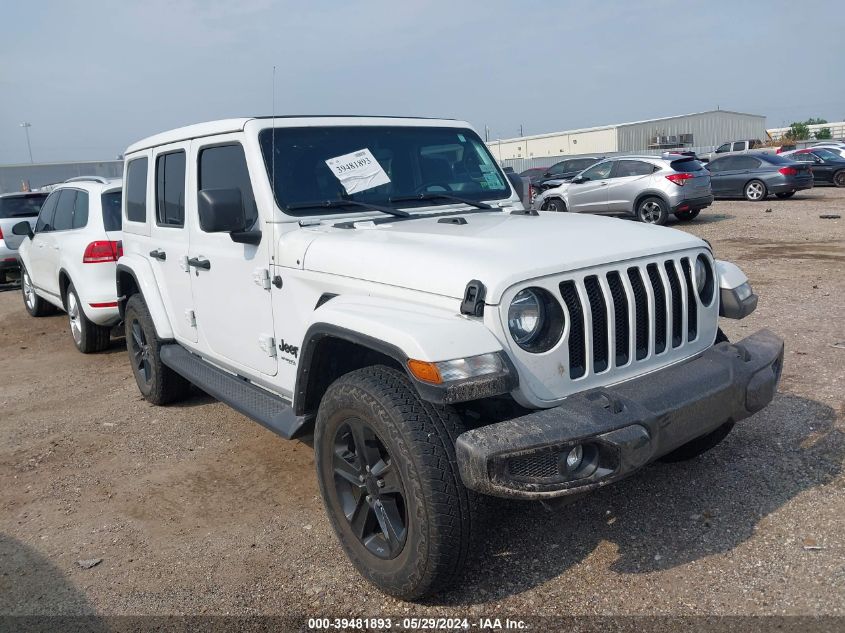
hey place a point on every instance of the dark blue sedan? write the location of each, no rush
(755, 176)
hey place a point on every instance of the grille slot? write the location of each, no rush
(535, 466)
(677, 307)
(692, 312)
(659, 308)
(620, 316)
(598, 310)
(577, 351)
(641, 316)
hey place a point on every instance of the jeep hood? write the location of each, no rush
(497, 248)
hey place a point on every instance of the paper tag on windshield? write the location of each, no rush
(358, 171)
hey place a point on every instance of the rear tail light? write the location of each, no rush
(680, 179)
(1, 233)
(788, 171)
(102, 251)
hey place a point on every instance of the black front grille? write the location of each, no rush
(641, 316)
(577, 353)
(535, 466)
(692, 319)
(624, 306)
(659, 308)
(620, 317)
(677, 306)
(598, 310)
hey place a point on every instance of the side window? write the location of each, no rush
(726, 147)
(804, 157)
(739, 146)
(63, 220)
(44, 222)
(747, 162)
(136, 190)
(224, 167)
(80, 210)
(170, 189)
(626, 168)
(715, 166)
(598, 172)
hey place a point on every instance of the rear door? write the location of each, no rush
(170, 238)
(628, 178)
(591, 195)
(230, 281)
(50, 253)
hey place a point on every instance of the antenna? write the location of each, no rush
(273, 136)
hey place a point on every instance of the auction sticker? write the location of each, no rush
(358, 171)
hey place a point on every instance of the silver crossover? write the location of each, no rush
(647, 187)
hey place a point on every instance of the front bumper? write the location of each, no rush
(621, 428)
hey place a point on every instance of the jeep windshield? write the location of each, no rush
(378, 165)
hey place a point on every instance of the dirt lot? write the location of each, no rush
(195, 509)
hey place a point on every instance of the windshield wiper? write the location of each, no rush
(441, 196)
(333, 204)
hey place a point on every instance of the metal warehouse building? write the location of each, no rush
(700, 131)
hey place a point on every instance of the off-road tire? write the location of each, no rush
(35, 305)
(554, 204)
(785, 194)
(839, 178)
(440, 512)
(88, 337)
(686, 216)
(755, 191)
(160, 385)
(652, 210)
(704, 443)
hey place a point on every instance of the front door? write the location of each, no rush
(230, 280)
(591, 195)
(42, 243)
(169, 239)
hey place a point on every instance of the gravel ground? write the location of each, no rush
(194, 509)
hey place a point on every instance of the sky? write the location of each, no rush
(94, 76)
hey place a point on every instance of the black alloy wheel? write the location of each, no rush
(369, 489)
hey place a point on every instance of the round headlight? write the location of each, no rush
(535, 320)
(704, 279)
(525, 316)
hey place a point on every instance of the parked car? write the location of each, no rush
(647, 187)
(68, 260)
(376, 281)
(826, 165)
(737, 147)
(566, 169)
(15, 207)
(838, 148)
(755, 176)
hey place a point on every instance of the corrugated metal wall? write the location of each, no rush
(708, 129)
(12, 177)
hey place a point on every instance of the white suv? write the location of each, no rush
(377, 281)
(68, 260)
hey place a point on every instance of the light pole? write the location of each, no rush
(26, 127)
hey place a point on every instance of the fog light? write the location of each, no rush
(574, 458)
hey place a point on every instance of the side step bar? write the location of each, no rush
(266, 408)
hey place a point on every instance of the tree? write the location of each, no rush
(813, 121)
(824, 133)
(798, 131)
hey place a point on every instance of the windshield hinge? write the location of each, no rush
(267, 344)
(261, 277)
(473, 303)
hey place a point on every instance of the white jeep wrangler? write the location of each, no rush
(376, 282)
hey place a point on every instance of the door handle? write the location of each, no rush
(158, 254)
(604, 184)
(198, 262)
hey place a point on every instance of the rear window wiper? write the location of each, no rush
(333, 204)
(441, 196)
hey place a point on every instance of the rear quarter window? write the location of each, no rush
(136, 190)
(112, 219)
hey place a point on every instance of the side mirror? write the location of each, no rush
(579, 179)
(546, 174)
(221, 210)
(23, 228)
